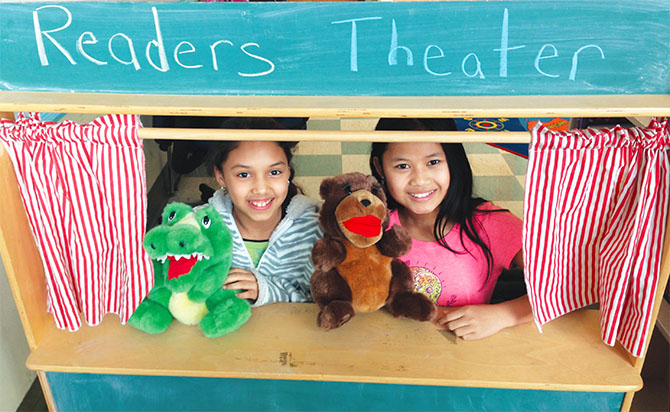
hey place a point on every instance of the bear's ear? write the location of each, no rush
(327, 187)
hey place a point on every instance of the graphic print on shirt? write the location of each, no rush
(426, 282)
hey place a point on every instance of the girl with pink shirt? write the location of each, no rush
(460, 244)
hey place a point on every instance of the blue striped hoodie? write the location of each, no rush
(284, 270)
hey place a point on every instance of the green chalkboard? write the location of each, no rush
(343, 49)
(97, 392)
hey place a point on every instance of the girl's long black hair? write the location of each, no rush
(225, 147)
(459, 206)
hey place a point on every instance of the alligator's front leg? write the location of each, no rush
(226, 314)
(153, 315)
(206, 286)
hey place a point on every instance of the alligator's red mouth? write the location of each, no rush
(368, 225)
(180, 267)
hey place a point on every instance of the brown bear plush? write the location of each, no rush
(355, 263)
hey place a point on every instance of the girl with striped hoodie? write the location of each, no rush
(274, 226)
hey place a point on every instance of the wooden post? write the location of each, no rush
(22, 263)
(658, 299)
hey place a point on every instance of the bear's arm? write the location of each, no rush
(327, 254)
(396, 242)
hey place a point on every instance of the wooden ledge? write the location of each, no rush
(281, 341)
(340, 106)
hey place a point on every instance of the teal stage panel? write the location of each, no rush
(94, 392)
(346, 49)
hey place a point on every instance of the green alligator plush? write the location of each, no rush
(192, 253)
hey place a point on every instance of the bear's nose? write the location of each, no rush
(365, 202)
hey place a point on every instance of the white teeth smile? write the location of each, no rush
(260, 203)
(197, 255)
(422, 195)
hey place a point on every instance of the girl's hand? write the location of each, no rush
(244, 281)
(469, 322)
(480, 321)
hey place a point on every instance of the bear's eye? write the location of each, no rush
(375, 190)
(172, 215)
(347, 189)
(206, 222)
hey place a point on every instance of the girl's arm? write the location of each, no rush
(285, 275)
(262, 290)
(283, 289)
(480, 321)
(244, 281)
(518, 260)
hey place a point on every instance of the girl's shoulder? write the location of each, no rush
(303, 207)
(487, 206)
(302, 217)
(488, 214)
(221, 202)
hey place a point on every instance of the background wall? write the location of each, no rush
(15, 378)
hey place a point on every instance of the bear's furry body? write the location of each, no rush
(368, 274)
(356, 265)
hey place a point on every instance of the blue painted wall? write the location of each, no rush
(359, 48)
(93, 392)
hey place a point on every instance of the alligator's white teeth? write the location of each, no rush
(195, 255)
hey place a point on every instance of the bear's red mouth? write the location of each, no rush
(368, 225)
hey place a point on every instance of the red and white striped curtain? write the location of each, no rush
(84, 191)
(596, 205)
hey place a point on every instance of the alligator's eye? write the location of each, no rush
(206, 222)
(347, 189)
(375, 190)
(172, 215)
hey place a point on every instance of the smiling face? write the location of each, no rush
(256, 176)
(417, 176)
